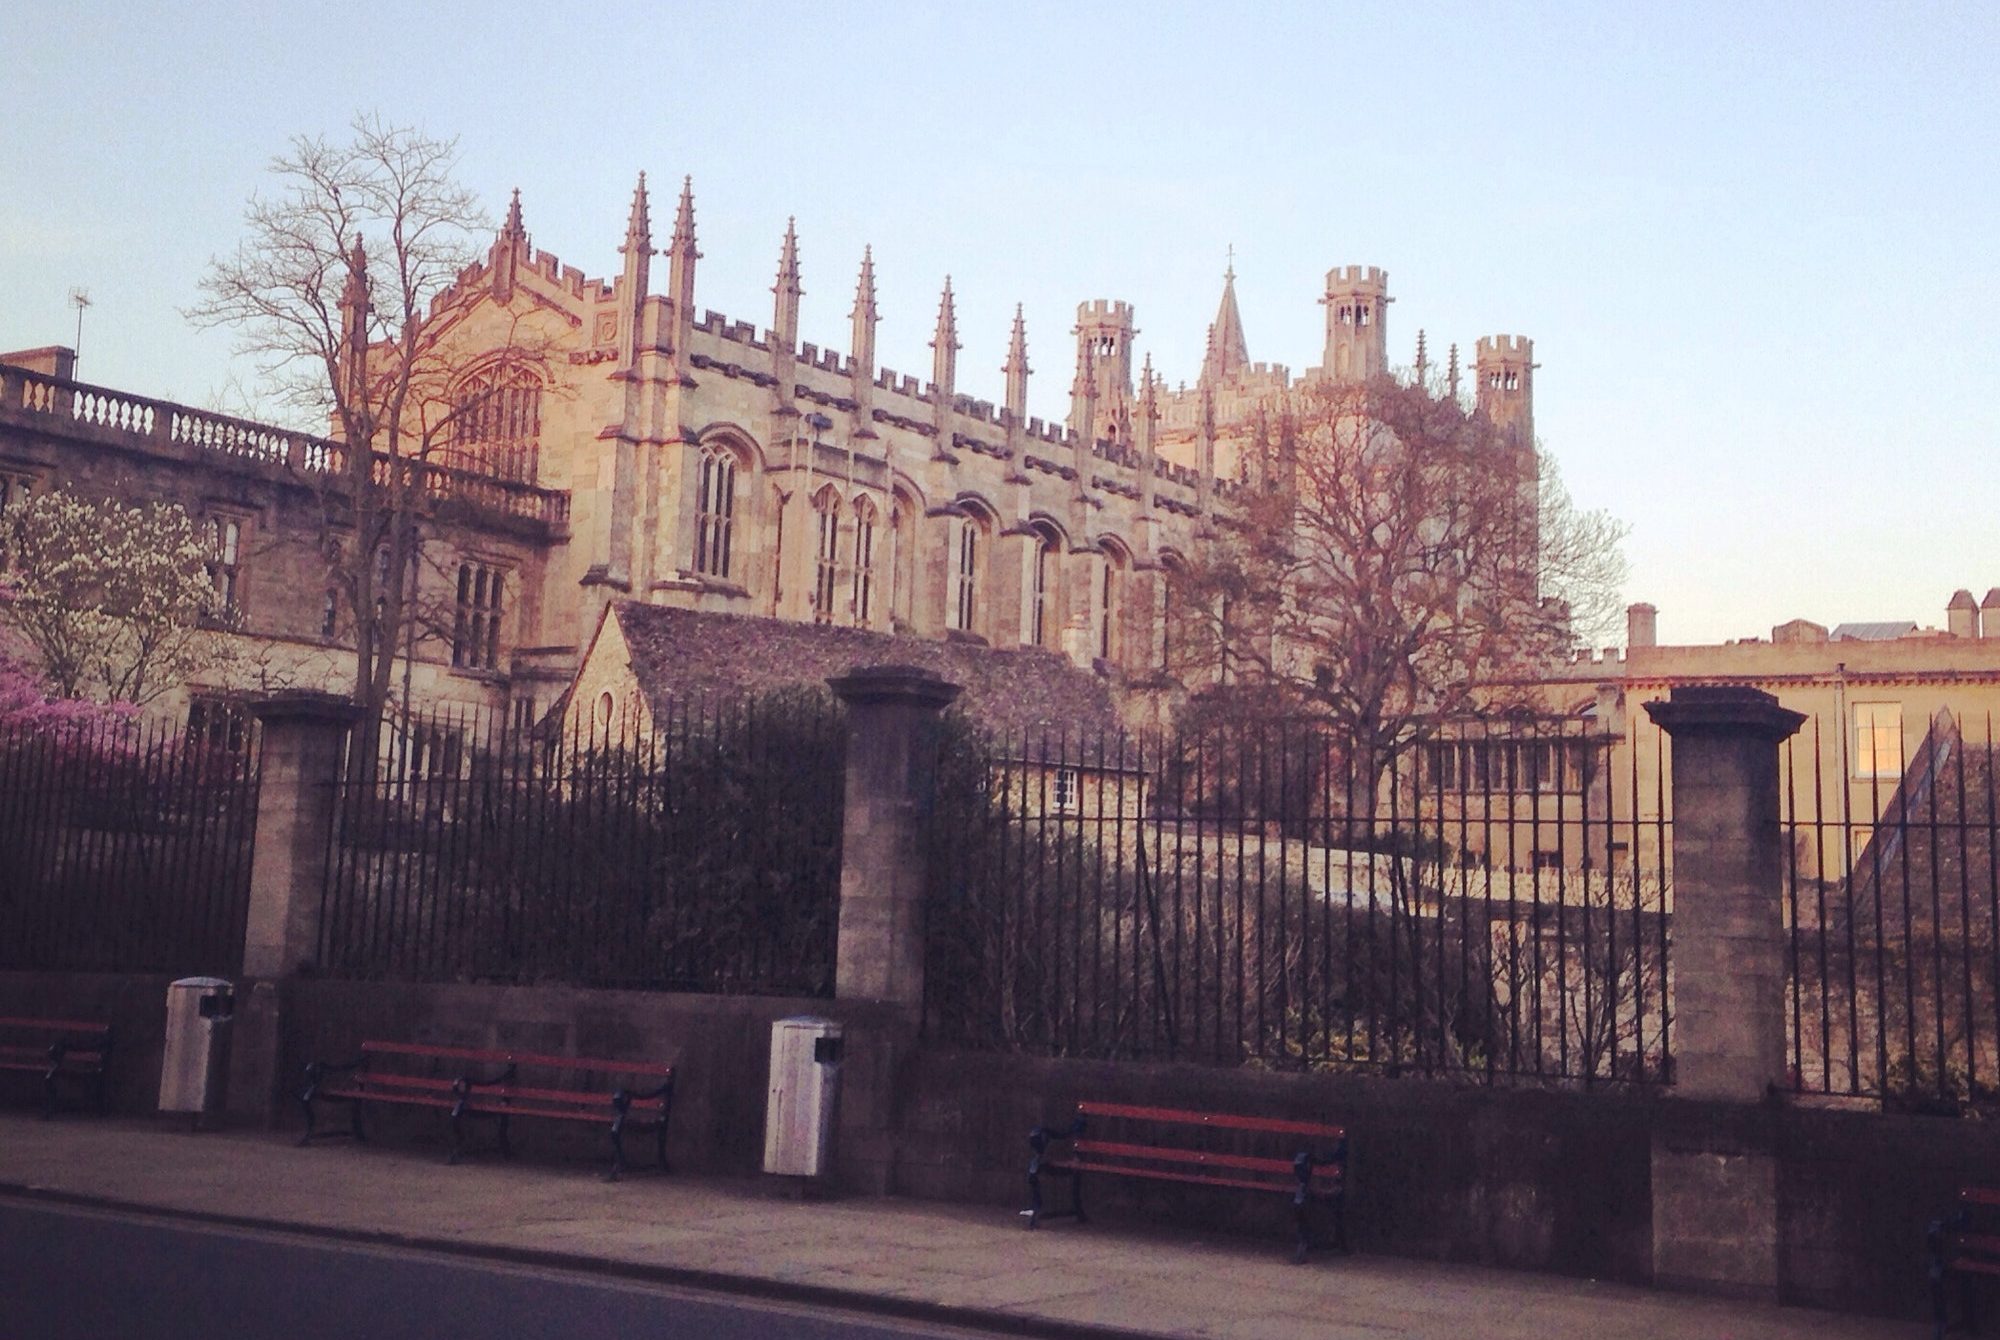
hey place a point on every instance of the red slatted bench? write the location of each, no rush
(466, 1083)
(62, 1051)
(1304, 1160)
(1966, 1244)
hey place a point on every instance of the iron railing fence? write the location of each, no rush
(1492, 903)
(125, 847)
(1892, 897)
(697, 849)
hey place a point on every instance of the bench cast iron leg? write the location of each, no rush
(617, 1148)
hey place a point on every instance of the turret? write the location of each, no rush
(785, 310)
(681, 256)
(1357, 318)
(944, 367)
(1961, 615)
(632, 286)
(356, 306)
(1642, 626)
(1016, 369)
(861, 346)
(1504, 372)
(1104, 333)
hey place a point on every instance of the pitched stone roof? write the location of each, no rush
(1228, 351)
(684, 653)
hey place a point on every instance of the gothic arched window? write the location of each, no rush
(967, 571)
(496, 425)
(1111, 606)
(1042, 622)
(715, 511)
(864, 561)
(826, 572)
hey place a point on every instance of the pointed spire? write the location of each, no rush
(513, 230)
(1451, 373)
(1016, 369)
(684, 220)
(861, 344)
(785, 315)
(1423, 361)
(945, 347)
(639, 227)
(1228, 353)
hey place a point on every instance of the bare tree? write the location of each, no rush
(1392, 558)
(332, 290)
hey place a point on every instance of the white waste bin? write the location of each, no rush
(805, 1086)
(194, 1069)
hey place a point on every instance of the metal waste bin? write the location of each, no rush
(195, 1067)
(805, 1085)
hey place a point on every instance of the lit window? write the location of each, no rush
(225, 554)
(475, 628)
(715, 512)
(1878, 739)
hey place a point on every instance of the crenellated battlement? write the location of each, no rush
(1104, 312)
(1505, 347)
(1371, 278)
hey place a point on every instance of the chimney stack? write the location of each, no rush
(1961, 615)
(1642, 626)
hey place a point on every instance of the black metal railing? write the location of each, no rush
(697, 850)
(1892, 896)
(1492, 903)
(124, 847)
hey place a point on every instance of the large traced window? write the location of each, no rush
(475, 625)
(826, 563)
(1878, 739)
(714, 511)
(496, 426)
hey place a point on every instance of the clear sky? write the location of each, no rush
(1755, 244)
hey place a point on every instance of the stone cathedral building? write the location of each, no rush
(653, 451)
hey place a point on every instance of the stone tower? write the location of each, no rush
(1357, 318)
(1504, 375)
(1104, 334)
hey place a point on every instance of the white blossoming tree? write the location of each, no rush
(110, 597)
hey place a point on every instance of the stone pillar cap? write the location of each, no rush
(306, 706)
(1725, 709)
(872, 684)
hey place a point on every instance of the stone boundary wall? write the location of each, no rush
(1511, 1177)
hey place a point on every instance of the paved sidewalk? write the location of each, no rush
(973, 1265)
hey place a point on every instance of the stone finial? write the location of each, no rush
(683, 243)
(785, 314)
(861, 343)
(945, 346)
(1016, 368)
(1451, 372)
(639, 226)
(513, 230)
(1423, 359)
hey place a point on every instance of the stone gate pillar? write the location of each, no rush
(295, 792)
(892, 711)
(1715, 1203)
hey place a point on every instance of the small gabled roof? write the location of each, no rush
(1887, 630)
